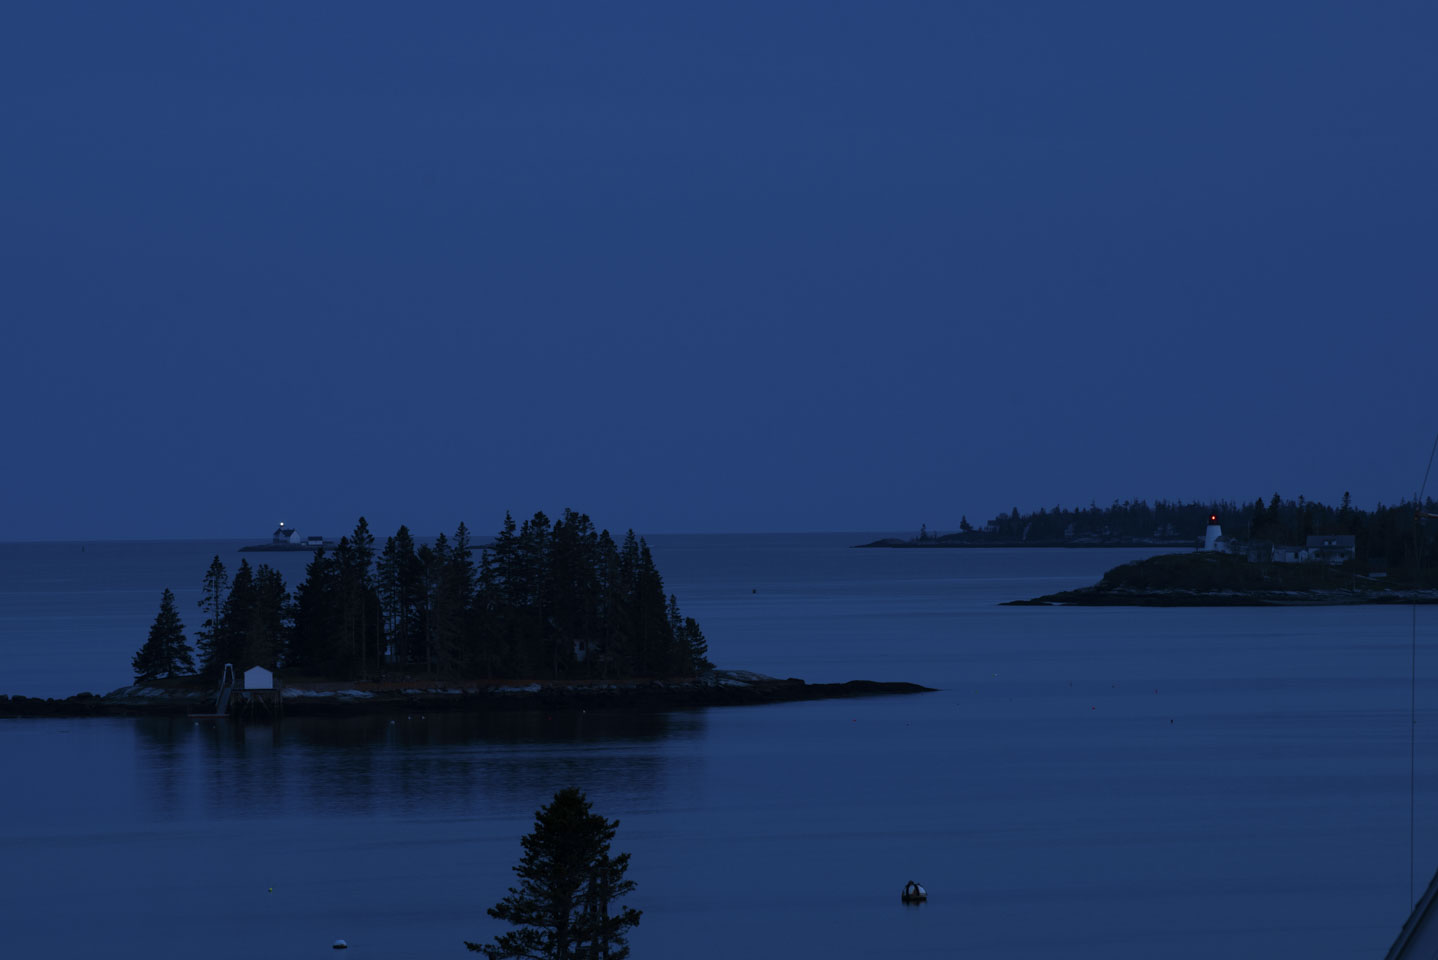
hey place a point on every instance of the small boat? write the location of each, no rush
(341, 945)
(914, 893)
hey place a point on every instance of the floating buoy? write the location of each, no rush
(341, 945)
(914, 893)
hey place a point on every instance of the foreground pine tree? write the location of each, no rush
(567, 884)
(165, 653)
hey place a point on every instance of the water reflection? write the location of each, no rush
(420, 764)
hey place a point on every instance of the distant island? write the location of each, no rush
(1216, 579)
(551, 612)
(1384, 535)
(283, 540)
(1275, 552)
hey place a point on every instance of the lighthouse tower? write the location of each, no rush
(1213, 536)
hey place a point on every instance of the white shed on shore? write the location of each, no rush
(258, 678)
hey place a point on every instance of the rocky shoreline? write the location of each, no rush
(335, 698)
(1096, 597)
(1211, 579)
(990, 543)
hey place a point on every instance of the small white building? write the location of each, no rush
(258, 678)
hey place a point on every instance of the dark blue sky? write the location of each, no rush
(756, 267)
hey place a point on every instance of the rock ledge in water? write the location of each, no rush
(716, 688)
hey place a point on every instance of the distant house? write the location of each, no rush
(282, 534)
(1332, 548)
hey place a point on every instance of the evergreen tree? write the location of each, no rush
(612, 616)
(429, 564)
(232, 637)
(361, 601)
(212, 603)
(696, 646)
(454, 597)
(314, 637)
(568, 882)
(165, 653)
(401, 594)
(446, 611)
(654, 638)
(264, 628)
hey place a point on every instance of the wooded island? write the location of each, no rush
(548, 599)
(550, 614)
(1384, 536)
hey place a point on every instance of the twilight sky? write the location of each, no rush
(758, 266)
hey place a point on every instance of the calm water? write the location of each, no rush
(1088, 782)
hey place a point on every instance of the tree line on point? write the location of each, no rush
(556, 599)
(1388, 532)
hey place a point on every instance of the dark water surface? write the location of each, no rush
(1088, 782)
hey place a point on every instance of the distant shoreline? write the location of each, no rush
(343, 698)
(286, 547)
(1209, 579)
(896, 543)
(1093, 597)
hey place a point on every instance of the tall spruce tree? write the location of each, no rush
(212, 603)
(362, 598)
(697, 647)
(232, 638)
(265, 628)
(611, 615)
(165, 653)
(568, 884)
(398, 582)
(314, 637)
(454, 597)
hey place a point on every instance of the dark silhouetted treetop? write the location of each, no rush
(165, 653)
(547, 599)
(254, 620)
(212, 604)
(565, 905)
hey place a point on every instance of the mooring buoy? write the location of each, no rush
(914, 893)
